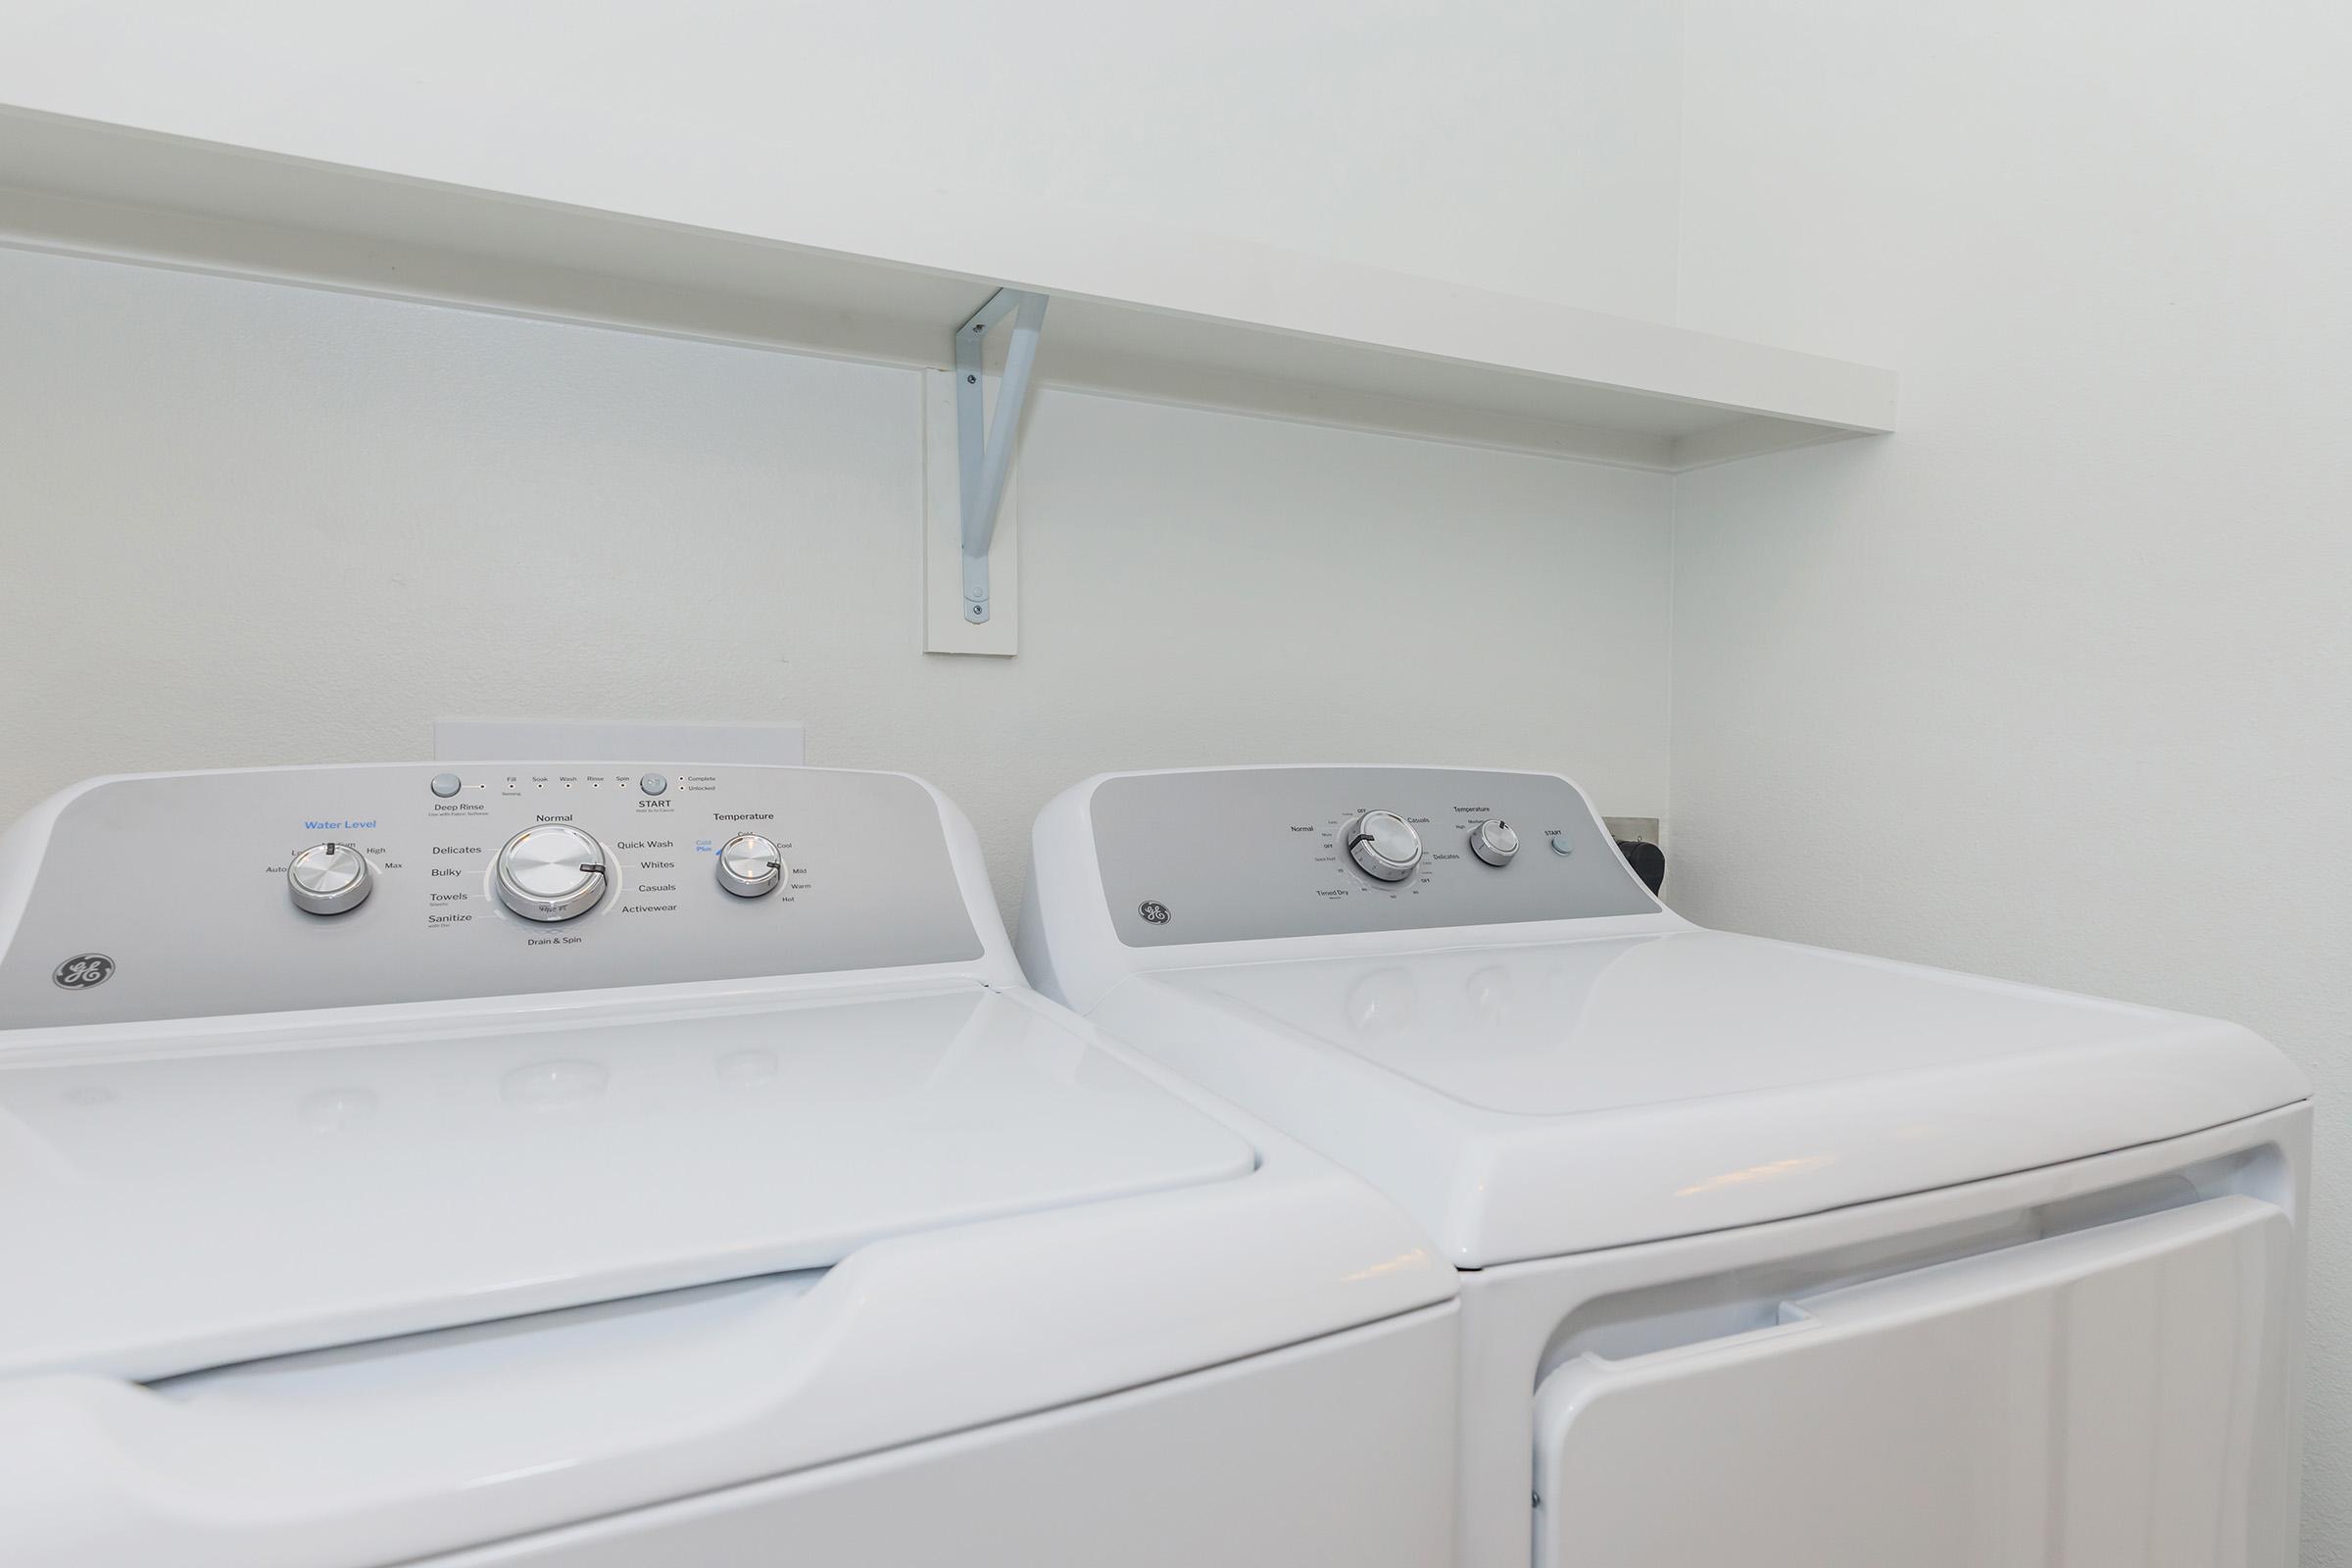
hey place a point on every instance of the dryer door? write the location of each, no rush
(2115, 1396)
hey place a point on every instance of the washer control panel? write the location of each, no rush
(1235, 855)
(294, 888)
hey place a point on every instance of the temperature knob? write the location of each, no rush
(1495, 842)
(1384, 843)
(749, 866)
(329, 878)
(551, 872)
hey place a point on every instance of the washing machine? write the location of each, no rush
(577, 1164)
(1768, 1254)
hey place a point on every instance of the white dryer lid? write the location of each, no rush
(173, 1202)
(1533, 1100)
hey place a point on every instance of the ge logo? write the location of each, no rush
(83, 970)
(1155, 911)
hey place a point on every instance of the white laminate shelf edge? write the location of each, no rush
(800, 261)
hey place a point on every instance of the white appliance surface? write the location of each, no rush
(193, 1202)
(1553, 1096)
(1770, 1254)
(695, 1198)
(1575, 1028)
(2127, 1399)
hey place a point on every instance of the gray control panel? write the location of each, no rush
(202, 894)
(1242, 854)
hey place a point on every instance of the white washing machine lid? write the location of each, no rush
(1533, 1100)
(174, 1202)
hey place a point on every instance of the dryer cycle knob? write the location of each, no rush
(551, 872)
(329, 878)
(1384, 845)
(1495, 842)
(749, 866)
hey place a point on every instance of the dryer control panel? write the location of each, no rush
(191, 895)
(1234, 854)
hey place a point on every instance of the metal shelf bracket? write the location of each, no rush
(984, 446)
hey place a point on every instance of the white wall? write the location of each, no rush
(250, 524)
(2057, 682)
(1526, 145)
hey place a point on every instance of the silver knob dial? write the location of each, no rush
(551, 872)
(749, 866)
(1384, 843)
(1495, 842)
(329, 878)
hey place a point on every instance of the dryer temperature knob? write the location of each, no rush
(1495, 842)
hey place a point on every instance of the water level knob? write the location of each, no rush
(329, 878)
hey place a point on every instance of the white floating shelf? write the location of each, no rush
(691, 247)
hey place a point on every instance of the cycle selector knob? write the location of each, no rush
(329, 878)
(1495, 842)
(551, 872)
(749, 866)
(1383, 845)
